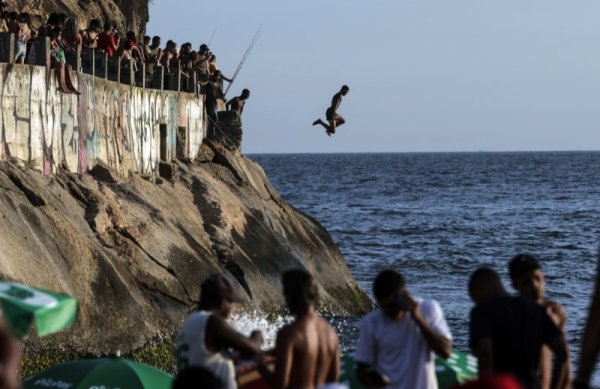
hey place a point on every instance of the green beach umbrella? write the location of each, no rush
(460, 367)
(457, 369)
(23, 305)
(108, 373)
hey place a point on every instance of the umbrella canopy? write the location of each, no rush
(460, 367)
(100, 373)
(22, 305)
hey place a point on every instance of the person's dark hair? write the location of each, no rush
(300, 290)
(345, 87)
(13, 15)
(25, 18)
(61, 18)
(245, 93)
(108, 26)
(522, 264)
(485, 278)
(386, 283)
(131, 36)
(56, 31)
(156, 38)
(95, 23)
(195, 377)
(147, 38)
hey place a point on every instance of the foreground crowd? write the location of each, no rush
(519, 339)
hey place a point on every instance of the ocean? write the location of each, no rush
(436, 217)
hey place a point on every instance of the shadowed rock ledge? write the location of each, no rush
(134, 250)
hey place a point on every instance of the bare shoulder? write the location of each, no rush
(556, 311)
(326, 329)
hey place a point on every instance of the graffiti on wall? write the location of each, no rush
(114, 123)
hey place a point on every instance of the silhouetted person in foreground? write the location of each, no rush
(206, 333)
(528, 279)
(507, 333)
(10, 355)
(307, 351)
(335, 119)
(397, 341)
(237, 103)
(590, 343)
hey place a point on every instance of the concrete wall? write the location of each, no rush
(114, 123)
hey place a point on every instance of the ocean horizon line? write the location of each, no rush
(427, 152)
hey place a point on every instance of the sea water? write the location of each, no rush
(436, 217)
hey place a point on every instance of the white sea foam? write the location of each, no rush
(248, 322)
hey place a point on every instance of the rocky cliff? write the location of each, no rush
(134, 250)
(127, 14)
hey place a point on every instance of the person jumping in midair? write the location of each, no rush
(335, 120)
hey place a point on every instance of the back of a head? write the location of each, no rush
(108, 26)
(197, 377)
(345, 87)
(245, 93)
(484, 283)
(386, 283)
(299, 290)
(521, 265)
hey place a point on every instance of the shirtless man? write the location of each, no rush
(237, 103)
(331, 115)
(307, 353)
(528, 279)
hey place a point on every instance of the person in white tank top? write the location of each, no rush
(205, 334)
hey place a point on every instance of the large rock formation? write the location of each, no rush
(127, 14)
(134, 250)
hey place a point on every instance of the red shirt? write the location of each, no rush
(107, 43)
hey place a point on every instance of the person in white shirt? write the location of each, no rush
(205, 334)
(397, 342)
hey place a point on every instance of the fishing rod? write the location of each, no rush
(245, 57)
(211, 37)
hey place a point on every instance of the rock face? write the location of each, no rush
(126, 14)
(134, 250)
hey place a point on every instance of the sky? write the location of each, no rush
(441, 76)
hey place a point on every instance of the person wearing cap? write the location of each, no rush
(506, 333)
(205, 334)
(528, 280)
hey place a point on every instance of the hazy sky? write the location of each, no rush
(424, 75)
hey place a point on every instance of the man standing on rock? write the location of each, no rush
(331, 115)
(205, 333)
(237, 103)
(307, 353)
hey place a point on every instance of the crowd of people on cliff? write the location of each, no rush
(519, 339)
(197, 69)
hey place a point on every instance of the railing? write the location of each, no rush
(97, 63)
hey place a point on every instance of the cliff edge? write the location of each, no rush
(134, 250)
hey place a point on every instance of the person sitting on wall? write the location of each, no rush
(237, 103)
(106, 40)
(59, 63)
(73, 39)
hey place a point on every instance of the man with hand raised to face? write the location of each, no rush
(397, 342)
